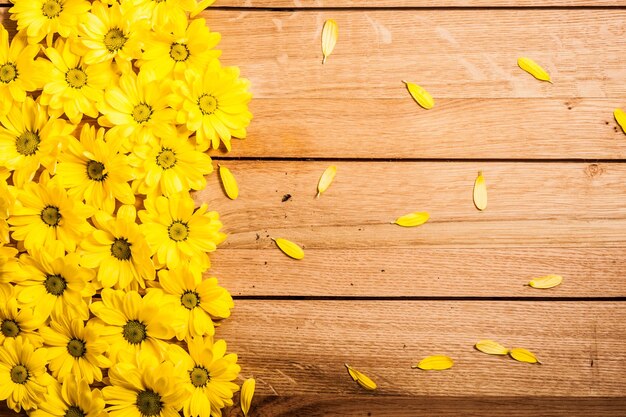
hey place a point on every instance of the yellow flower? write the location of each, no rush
(23, 376)
(72, 399)
(118, 250)
(199, 300)
(7, 200)
(43, 18)
(210, 374)
(170, 166)
(144, 386)
(95, 170)
(10, 270)
(70, 86)
(30, 138)
(44, 214)
(138, 108)
(162, 12)
(177, 233)
(214, 105)
(75, 349)
(16, 69)
(14, 321)
(175, 47)
(130, 323)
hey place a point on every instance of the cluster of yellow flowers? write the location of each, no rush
(102, 247)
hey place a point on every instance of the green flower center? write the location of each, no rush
(76, 348)
(190, 299)
(179, 52)
(55, 285)
(142, 113)
(114, 39)
(199, 376)
(51, 216)
(178, 231)
(207, 104)
(76, 77)
(51, 9)
(134, 332)
(27, 143)
(95, 171)
(166, 159)
(74, 411)
(9, 328)
(120, 249)
(149, 403)
(8, 72)
(19, 374)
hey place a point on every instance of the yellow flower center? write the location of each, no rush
(19, 374)
(142, 113)
(207, 104)
(76, 348)
(27, 143)
(120, 249)
(95, 171)
(114, 39)
(199, 376)
(190, 299)
(52, 8)
(179, 52)
(51, 216)
(8, 72)
(149, 403)
(76, 78)
(74, 411)
(178, 231)
(134, 332)
(166, 159)
(55, 285)
(9, 328)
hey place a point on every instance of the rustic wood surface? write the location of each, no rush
(414, 3)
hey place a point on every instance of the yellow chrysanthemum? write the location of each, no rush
(17, 69)
(70, 86)
(7, 201)
(199, 300)
(23, 376)
(75, 349)
(130, 323)
(10, 270)
(177, 234)
(41, 18)
(164, 11)
(72, 399)
(44, 214)
(176, 46)
(138, 108)
(118, 250)
(214, 105)
(30, 138)
(210, 374)
(14, 321)
(144, 386)
(95, 170)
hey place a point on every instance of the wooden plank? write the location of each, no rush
(303, 4)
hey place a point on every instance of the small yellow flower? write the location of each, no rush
(14, 321)
(17, 69)
(72, 399)
(41, 18)
(164, 11)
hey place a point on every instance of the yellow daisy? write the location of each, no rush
(177, 233)
(70, 86)
(10, 270)
(130, 323)
(14, 321)
(30, 138)
(41, 18)
(75, 349)
(210, 374)
(72, 399)
(214, 105)
(179, 45)
(95, 170)
(164, 11)
(44, 213)
(16, 69)
(7, 201)
(199, 300)
(118, 250)
(23, 376)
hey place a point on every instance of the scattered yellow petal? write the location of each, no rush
(289, 248)
(247, 392)
(361, 379)
(548, 281)
(620, 118)
(523, 355)
(480, 192)
(330, 33)
(326, 179)
(491, 348)
(533, 69)
(413, 219)
(229, 182)
(421, 96)
(435, 363)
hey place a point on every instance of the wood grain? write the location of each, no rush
(303, 4)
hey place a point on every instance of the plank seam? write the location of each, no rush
(424, 298)
(406, 8)
(479, 160)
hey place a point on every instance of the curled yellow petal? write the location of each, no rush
(289, 248)
(620, 118)
(421, 96)
(229, 182)
(435, 363)
(247, 392)
(326, 179)
(413, 219)
(330, 33)
(523, 355)
(533, 69)
(480, 192)
(548, 281)
(491, 348)
(361, 379)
